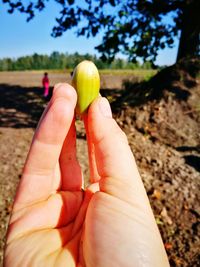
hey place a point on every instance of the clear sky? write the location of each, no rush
(19, 38)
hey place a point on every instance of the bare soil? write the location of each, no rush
(164, 137)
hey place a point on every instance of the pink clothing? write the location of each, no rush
(45, 82)
(46, 90)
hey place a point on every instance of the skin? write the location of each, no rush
(55, 222)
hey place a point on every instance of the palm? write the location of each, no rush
(67, 243)
(55, 223)
(63, 235)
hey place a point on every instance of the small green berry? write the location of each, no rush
(86, 81)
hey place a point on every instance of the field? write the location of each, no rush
(163, 134)
(109, 78)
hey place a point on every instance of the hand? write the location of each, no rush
(55, 223)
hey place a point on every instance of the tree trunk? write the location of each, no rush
(190, 39)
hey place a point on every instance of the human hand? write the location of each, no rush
(55, 223)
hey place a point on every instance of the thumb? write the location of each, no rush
(120, 179)
(115, 162)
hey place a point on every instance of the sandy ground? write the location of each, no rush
(33, 78)
(166, 148)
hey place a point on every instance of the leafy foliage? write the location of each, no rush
(64, 61)
(137, 28)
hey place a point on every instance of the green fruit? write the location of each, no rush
(86, 81)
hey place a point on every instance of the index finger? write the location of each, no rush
(38, 176)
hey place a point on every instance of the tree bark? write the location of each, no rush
(190, 33)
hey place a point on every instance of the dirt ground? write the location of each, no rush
(164, 137)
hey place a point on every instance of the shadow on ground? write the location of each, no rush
(188, 148)
(193, 161)
(191, 154)
(20, 107)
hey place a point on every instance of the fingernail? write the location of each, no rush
(104, 107)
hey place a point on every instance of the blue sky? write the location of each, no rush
(20, 38)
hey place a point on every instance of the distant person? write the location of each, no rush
(45, 83)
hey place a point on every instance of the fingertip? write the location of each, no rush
(101, 123)
(99, 115)
(104, 107)
(59, 115)
(101, 105)
(63, 101)
(64, 90)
